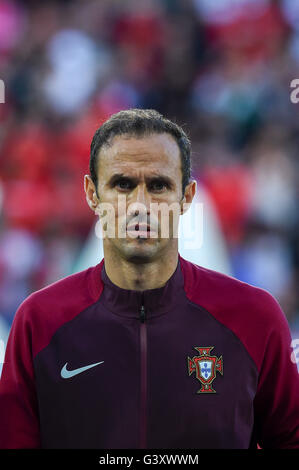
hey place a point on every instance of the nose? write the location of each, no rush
(139, 202)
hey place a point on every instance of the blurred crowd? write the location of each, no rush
(221, 69)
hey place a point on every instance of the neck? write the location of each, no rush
(134, 276)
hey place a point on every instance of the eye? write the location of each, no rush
(123, 184)
(158, 185)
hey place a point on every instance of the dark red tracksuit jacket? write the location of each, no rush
(203, 362)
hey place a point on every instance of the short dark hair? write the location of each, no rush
(139, 122)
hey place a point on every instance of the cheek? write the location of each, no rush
(115, 203)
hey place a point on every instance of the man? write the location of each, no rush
(146, 349)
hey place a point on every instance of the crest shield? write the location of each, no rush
(205, 366)
(205, 369)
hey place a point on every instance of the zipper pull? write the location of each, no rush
(142, 314)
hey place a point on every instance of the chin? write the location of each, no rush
(140, 254)
(139, 259)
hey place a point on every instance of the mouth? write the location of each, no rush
(139, 227)
(143, 230)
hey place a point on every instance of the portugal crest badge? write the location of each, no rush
(205, 366)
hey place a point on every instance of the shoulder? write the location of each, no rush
(77, 287)
(47, 309)
(219, 292)
(252, 313)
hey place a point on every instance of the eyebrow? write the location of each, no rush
(163, 178)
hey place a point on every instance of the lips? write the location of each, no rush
(141, 230)
(139, 227)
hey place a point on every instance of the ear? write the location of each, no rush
(190, 191)
(90, 191)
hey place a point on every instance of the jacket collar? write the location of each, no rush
(127, 302)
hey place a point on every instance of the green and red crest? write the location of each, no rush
(205, 367)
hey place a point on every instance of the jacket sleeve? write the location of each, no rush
(276, 404)
(19, 422)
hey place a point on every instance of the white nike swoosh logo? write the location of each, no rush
(67, 374)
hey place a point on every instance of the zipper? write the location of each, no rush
(142, 314)
(143, 376)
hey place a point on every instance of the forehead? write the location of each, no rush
(151, 152)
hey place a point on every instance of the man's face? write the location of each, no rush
(143, 173)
